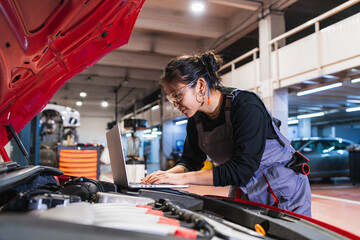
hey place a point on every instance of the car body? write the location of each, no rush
(328, 157)
(44, 44)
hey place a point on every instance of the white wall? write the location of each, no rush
(92, 129)
(350, 132)
(293, 132)
(338, 48)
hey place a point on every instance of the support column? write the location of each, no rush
(304, 127)
(281, 109)
(270, 27)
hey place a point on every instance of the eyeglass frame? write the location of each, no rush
(172, 99)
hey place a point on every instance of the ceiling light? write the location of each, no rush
(355, 80)
(318, 114)
(128, 135)
(329, 76)
(354, 109)
(154, 129)
(155, 107)
(149, 136)
(295, 121)
(197, 6)
(353, 101)
(181, 122)
(104, 104)
(334, 85)
(79, 103)
(147, 131)
(83, 94)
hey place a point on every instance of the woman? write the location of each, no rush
(236, 131)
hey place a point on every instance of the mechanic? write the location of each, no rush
(234, 128)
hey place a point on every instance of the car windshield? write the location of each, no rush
(298, 144)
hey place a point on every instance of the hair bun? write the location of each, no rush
(213, 62)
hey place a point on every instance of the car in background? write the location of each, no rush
(328, 157)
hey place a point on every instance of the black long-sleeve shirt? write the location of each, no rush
(251, 127)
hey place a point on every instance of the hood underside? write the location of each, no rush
(45, 43)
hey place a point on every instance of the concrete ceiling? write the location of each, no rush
(164, 29)
(167, 28)
(333, 102)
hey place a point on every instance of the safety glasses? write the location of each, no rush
(177, 96)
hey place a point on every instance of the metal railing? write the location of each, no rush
(313, 22)
(242, 57)
(275, 41)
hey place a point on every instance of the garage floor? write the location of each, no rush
(336, 202)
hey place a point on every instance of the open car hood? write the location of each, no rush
(45, 43)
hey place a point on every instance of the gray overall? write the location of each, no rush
(272, 183)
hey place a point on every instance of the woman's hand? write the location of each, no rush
(150, 179)
(164, 177)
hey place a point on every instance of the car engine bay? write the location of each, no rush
(34, 202)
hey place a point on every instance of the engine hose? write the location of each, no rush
(188, 216)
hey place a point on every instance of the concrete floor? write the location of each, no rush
(336, 202)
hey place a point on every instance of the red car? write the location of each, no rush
(45, 43)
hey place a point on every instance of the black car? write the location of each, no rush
(328, 157)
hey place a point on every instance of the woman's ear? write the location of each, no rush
(201, 85)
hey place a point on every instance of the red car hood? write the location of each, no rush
(45, 43)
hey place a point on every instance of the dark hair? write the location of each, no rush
(188, 68)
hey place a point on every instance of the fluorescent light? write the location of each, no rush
(128, 135)
(329, 76)
(79, 103)
(157, 133)
(154, 129)
(147, 131)
(181, 122)
(150, 135)
(155, 107)
(334, 85)
(295, 121)
(83, 94)
(354, 109)
(104, 104)
(355, 80)
(318, 114)
(197, 6)
(353, 101)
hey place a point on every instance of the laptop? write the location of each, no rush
(118, 164)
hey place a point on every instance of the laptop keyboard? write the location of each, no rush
(144, 185)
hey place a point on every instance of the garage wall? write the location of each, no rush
(293, 132)
(301, 60)
(92, 129)
(350, 132)
(245, 77)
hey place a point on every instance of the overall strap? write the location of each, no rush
(228, 102)
(198, 124)
(283, 141)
